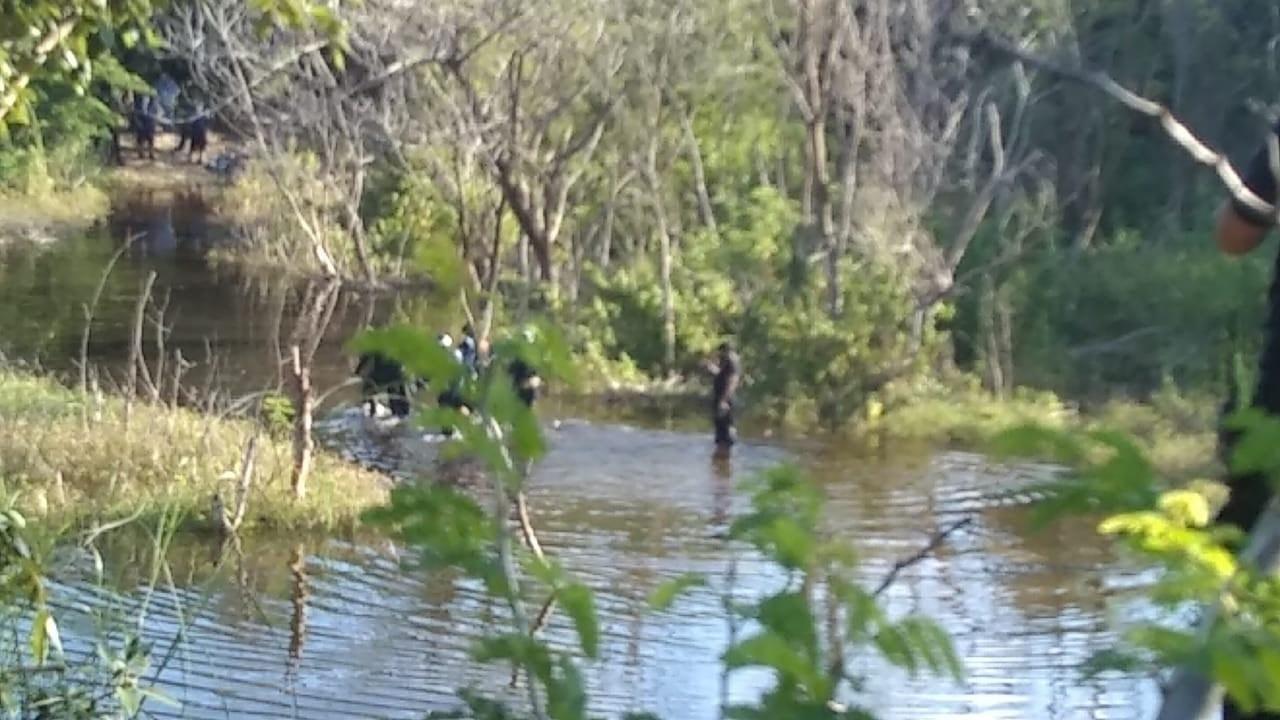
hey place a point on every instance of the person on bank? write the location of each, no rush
(469, 347)
(1240, 229)
(726, 372)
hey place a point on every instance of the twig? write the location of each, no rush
(161, 333)
(92, 306)
(137, 360)
(526, 527)
(245, 479)
(514, 603)
(934, 543)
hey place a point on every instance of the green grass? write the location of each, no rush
(1177, 432)
(114, 462)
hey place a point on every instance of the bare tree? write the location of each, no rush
(287, 92)
(532, 109)
(318, 305)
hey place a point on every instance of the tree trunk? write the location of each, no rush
(987, 323)
(304, 408)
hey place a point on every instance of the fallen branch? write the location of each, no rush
(229, 522)
(138, 368)
(935, 542)
(526, 527)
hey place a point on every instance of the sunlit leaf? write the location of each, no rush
(788, 615)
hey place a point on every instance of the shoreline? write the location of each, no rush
(73, 459)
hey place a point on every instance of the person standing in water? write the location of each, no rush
(726, 371)
(525, 379)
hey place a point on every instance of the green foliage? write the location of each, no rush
(411, 222)
(277, 414)
(805, 362)
(807, 660)
(39, 679)
(801, 362)
(1125, 317)
(65, 42)
(1172, 531)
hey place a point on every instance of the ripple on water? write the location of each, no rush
(625, 509)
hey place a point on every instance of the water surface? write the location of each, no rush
(328, 628)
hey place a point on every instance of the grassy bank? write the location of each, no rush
(1177, 432)
(42, 216)
(73, 458)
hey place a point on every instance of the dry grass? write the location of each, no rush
(113, 462)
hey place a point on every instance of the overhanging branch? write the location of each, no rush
(1174, 128)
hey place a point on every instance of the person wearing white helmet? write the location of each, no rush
(451, 396)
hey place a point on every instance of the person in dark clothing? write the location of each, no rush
(724, 388)
(143, 123)
(525, 379)
(193, 135)
(1240, 229)
(380, 374)
(452, 396)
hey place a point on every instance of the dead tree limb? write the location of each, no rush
(1174, 128)
(934, 543)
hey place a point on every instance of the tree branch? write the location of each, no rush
(935, 542)
(1177, 132)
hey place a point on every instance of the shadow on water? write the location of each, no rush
(337, 628)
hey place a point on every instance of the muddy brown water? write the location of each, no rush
(337, 628)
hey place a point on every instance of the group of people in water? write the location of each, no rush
(381, 376)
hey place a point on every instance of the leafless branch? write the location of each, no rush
(934, 543)
(1174, 128)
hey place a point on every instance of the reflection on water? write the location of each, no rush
(316, 628)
